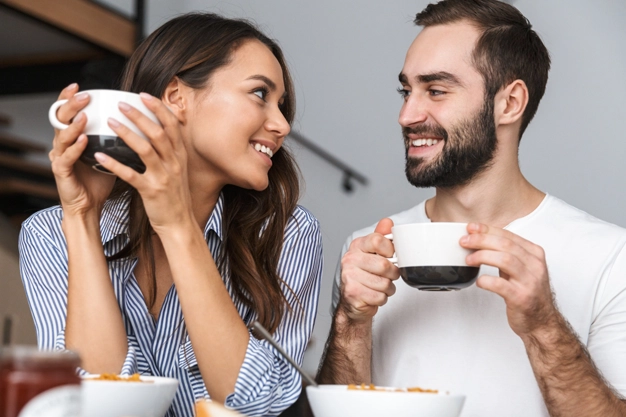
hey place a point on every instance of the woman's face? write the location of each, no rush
(234, 126)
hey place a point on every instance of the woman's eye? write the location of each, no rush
(404, 93)
(261, 93)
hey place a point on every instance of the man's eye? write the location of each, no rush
(404, 93)
(436, 92)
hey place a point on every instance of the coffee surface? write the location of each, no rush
(114, 147)
(439, 278)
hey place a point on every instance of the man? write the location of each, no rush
(543, 331)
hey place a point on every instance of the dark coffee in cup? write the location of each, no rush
(115, 148)
(439, 278)
(430, 256)
(103, 104)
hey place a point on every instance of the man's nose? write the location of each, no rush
(413, 112)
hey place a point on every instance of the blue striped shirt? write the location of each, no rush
(266, 385)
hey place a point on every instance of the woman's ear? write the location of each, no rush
(510, 103)
(175, 99)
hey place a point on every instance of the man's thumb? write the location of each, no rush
(384, 226)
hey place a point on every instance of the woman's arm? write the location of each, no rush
(94, 326)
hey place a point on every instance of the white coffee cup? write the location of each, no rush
(101, 138)
(430, 256)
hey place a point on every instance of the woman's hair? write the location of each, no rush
(191, 47)
(507, 50)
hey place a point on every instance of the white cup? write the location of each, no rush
(430, 256)
(101, 138)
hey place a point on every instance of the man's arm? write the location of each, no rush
(366, 283)
(568, 379)
(348, 354)
(570, 383)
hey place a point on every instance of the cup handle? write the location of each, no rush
(393, 260)
(52, 115)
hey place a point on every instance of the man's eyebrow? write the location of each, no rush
(439, 76)
(435, 76)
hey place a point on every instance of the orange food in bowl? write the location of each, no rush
(114, 377)
(372, 387)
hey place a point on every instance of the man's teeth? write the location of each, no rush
(424, 142)
(264, 149)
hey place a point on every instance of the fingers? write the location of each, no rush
(75, 103)
(375, 243)
(160, 135)
(510, 253)
(62, 165)
(479, 228)
(67, 137)
(384, 226)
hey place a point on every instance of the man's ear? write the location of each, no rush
(510, 103)
(175, 97)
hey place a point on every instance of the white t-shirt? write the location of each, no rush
(461, 341)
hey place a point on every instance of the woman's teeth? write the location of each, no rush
(424, 142)
(264, 149)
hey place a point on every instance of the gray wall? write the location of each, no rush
(345, 57)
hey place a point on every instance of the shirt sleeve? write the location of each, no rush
(607, 337)
(267, 384)
(44, 272)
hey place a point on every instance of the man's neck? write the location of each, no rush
(496, 197)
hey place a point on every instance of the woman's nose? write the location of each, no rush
(277, 123)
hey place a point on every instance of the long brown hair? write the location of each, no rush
(508, 49)
(191, 47)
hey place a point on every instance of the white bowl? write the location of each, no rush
(150, 398)
(339, 401)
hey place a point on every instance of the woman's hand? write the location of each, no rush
(164, 186)
(81, 188)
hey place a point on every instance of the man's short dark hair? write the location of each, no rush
(507, 50)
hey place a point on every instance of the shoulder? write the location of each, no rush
(569, 222)
(44, 223)
(563, 229)
(301, 220)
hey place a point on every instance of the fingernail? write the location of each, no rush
(100, 157)
(82, 96)
(79, 117)
(113, 122)
(124, 107)
(82, 138)
(146, 96)
(71, 86)
(465, 239)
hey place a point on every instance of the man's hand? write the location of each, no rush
(567, 377)
(366, 276)
(523, 282)
(366, 284)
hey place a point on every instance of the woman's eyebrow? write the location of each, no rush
(271, 84)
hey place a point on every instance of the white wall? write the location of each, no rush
(345, 57)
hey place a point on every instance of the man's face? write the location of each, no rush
(447, 124)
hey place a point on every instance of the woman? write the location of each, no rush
(210, 232)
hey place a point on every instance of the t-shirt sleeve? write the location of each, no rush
(607, 337)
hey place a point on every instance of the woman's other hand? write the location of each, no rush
(81, 188)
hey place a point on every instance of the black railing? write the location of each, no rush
(349, 173)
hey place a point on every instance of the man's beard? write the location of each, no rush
(467, 151)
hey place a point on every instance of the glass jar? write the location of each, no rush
(38, 383)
